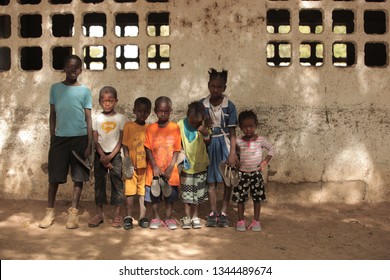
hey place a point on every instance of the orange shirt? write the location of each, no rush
(162, 142)
(134, 138)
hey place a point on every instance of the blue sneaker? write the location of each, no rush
(212, 220)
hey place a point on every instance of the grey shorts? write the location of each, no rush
(61, 157)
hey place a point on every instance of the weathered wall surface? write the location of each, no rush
(330, 124)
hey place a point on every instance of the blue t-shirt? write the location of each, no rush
(69, 103)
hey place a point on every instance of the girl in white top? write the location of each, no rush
(250, 151)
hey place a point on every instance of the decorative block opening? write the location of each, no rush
(126, 25)
(127, 57)
(375, 54)
(157, 1)
(158, 24)
(375, 0)
(58, 56)
(311, 54)
(343, 54)
(94, 25)
(374, 22)
(310, 21)
(158, 56)
(62, 25)
(4, 2)
(92, 1)
(5, 26)
(278, 21)
(343, 21)
(60, 1)
(31, 2)
(95, 57)
(5, 59)
(125, 1)
(31, 58)
(30, 26)
(278, 53)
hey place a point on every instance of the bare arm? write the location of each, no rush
(52, 120)
(232, 159)
(156, 170)
(88, 120)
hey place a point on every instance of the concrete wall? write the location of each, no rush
(330, 124)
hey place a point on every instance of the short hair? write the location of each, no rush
(75, 57)
(162, 99)
(247, 114)
(214, 74)
(143, 101)
(108, 89)
(196, 108)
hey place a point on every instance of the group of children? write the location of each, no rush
(163, 161)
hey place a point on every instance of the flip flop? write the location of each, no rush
(95, 221)
(224, 169)
(155, 188)
(128, 223)
(117, 222)
(165, 187)
(128, 168)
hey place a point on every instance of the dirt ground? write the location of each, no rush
(290, 231)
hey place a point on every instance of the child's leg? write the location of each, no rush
(77, 188)
(240, 211)
(129, 205)
(155, 210)
(227, 192)
(213, 196)
(187, 209)
(195, 211)
(168, 209)
(142, 207)
(51, 194)
(256, 210)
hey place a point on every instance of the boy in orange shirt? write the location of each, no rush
(162, 144)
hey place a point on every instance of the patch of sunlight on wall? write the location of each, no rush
(4, 132)
(26, 136)
(307, 86)
(196, 88)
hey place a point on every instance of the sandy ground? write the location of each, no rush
(290, 231)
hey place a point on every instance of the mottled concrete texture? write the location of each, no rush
(330, 124)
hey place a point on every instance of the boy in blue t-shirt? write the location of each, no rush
(70, 130)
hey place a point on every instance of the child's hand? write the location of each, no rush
(208, 123)
(203, 129)
(105, 160)
(156, 171)
(232, 160)
(263, 165)
(168, 173)
(108, 165)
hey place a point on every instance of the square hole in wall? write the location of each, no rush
(5, 26)
(60, 1)
(126, 25)
(31, 2)
(31, 58)
(343, 21)
(278, 21)
(158, 24)
(375, 0)
(374, 22)
(278, 53)
(127, 57)
(158, 56)
(310, 21)
(92, 1)
(343, 54)
(95, 57)
(5, 58)
(125, 1)
(94, 25)
(58, 56)
(62, 25)
(30, 26)
(375, 54)
(4, 2)
(157, 1)
(311, 54)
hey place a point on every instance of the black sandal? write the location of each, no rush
(128, 223)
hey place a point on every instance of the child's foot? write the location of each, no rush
(212, 220)
(95, 221)
(128, 223)
(186, 223)
(196, 223)
(155, 224)
(223, 220)
(48, 220)
(255, 226)
(171, 224)
(144, 223)
(241, 225)
(117, 222)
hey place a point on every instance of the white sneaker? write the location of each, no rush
(196, 223)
